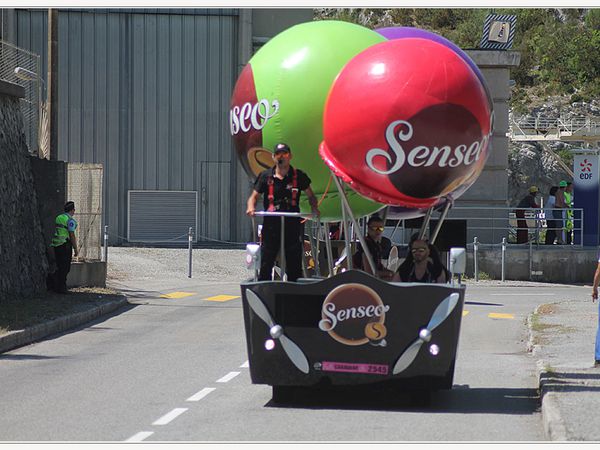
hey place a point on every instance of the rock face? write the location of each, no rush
(530, 163)
(23, 261)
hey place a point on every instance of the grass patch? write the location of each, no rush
(18, 314)
(538, 326)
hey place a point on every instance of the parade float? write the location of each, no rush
(396, 118)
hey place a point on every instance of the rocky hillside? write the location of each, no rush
(537, 163)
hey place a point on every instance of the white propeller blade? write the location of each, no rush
(407, 357)
(259, 308)
(291, 349)
(294, 353)
(443, 310)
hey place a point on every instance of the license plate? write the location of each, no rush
(371, 369)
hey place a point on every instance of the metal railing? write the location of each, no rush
(556, 126)
(491, 224)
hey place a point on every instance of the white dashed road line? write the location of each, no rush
(228, 377)
(170, 416)
(200, 395)
(139, 437)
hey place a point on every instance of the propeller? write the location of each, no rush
(393, 261)
(291, 349)
(443, 310)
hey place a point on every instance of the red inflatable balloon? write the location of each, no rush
(407, 122)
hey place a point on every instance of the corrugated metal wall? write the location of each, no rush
(146, 94)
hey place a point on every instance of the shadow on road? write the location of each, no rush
(570, 381)
(14, 357)
(461, 399)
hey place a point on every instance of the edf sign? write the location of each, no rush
(586, 194)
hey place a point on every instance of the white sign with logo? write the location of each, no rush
(585, 171)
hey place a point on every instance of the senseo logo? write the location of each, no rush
(251, 116)
(353, 314)
(421, 155)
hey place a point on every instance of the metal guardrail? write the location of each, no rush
(499, 222)
(582, 127)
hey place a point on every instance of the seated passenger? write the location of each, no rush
(422, 265)
(379, 246)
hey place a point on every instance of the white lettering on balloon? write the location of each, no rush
(250, 116)
(360, 312)
(422, 156)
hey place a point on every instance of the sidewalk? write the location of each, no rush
(562, 337)
(19, 338)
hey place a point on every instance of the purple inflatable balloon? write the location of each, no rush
(408, 32)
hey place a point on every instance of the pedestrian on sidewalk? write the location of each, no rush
(529, 201)
(569, 201)
(550, 221)
(559, 211)
(64, 244)
(594, 298)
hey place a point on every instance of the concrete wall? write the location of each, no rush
(23, 263)
(546, 264)
(491, 188)
(49, 182)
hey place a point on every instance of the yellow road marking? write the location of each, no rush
(178, 294)
(501, 316)
(222, 298)
(465, 313)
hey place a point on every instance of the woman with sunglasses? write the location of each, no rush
(379, 246)
(422, 264)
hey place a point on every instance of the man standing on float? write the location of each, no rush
(280, 187)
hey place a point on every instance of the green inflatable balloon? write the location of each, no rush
(280, 97)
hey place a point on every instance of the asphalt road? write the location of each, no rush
(175, 369)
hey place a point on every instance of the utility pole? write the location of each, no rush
(52, 100)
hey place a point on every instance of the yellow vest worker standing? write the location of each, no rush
(64, 243)
(569, 216)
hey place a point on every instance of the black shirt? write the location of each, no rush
(379, 250)
(528, 202)
(407, 273)
(282, 189)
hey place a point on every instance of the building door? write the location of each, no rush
(216, 194)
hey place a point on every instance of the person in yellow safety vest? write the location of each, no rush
(64, 244)
(569, 215)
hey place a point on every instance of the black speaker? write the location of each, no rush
(452, 234)
(413, 223)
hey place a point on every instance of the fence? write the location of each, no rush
(84, 187)
(12, 57)
(492, 224)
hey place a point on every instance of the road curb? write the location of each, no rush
(554, 425)
(19, 338)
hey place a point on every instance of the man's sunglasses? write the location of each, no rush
(377, 228)
(282, 155)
